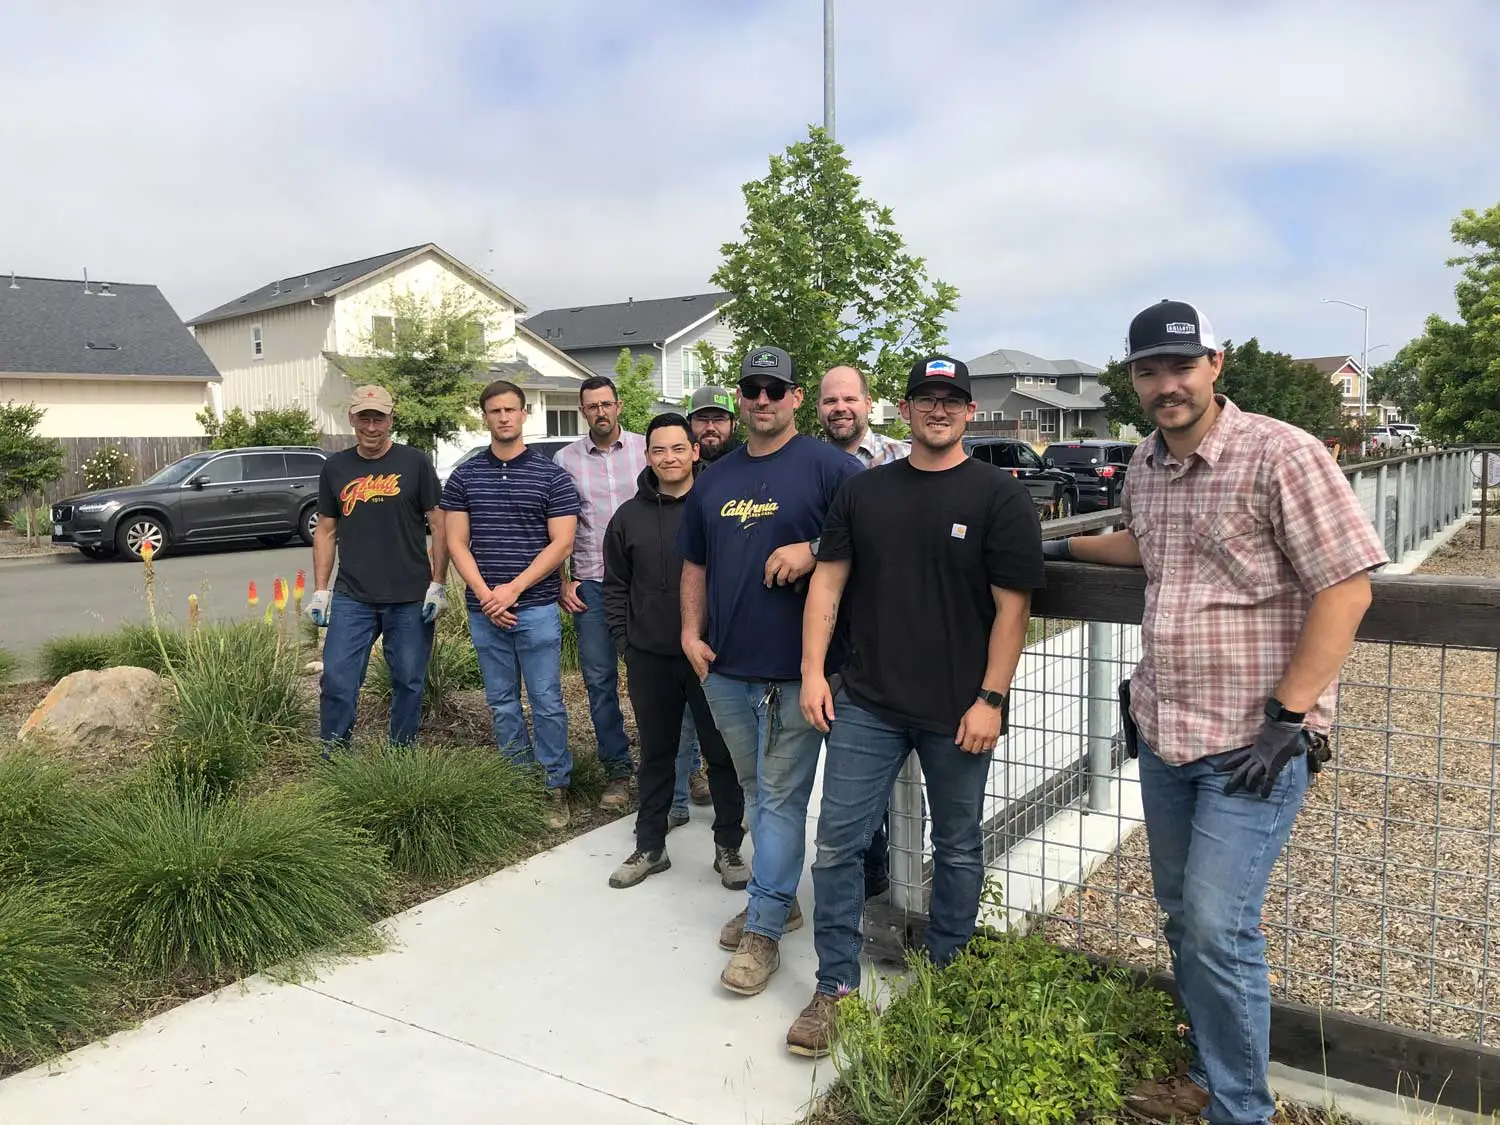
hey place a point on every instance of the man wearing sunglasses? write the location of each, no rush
(746, 540)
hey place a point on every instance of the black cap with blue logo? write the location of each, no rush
(934, 371)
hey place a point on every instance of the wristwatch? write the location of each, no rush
(993, 698)
(1276, 711)
(812, 545)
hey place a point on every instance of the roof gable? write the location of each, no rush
(1332, 365)
(1011, 361)
(1089, 397)
(57, 327)
(624, 324)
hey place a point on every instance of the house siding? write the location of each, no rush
(137, 406)
(714, 332)
(291, 370)
(425, 277)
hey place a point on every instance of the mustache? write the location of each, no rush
(1168, 400)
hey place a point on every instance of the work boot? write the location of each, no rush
(733, 872)
(1178, 1098)
(616, 795)
(812, 1032)
(677, 818)
(698, 788)
(558, 815)
(750, 969)
(734, 929)
(638, 866)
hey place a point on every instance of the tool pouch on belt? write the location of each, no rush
(1319, 752)
(1127, 724)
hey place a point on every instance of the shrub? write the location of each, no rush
(436, 812)
(109, 466)
(454, 667)
(272, 426)
(136, 646)
(41, 520)
(51, 973)
(36, 793)
(10, 664)
(569, 642)
(66, 655)
(220, 887)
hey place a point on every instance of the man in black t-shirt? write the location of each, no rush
(372, 501)
(934, 559)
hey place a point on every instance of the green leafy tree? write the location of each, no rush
(822, 271)
(1458, 362)
(1397, 380)
(637, 393)
(28, 461)
(273, 426)
(1257, 381)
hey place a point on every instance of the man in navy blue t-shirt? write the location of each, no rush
(746, 539)
(512, 514)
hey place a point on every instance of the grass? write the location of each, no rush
(52, 975)
(41, 521)
(36, 794)
(437, 812)
(454, 667)
(10, 664)
(86, 652)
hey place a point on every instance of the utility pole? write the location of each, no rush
(1364, 358)
(828, 67)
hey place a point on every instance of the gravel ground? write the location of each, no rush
(1387, 901)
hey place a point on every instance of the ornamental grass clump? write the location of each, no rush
(36, 794)
(52, 974)
(87, 652)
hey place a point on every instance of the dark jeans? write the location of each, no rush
(600, 665)
(352, 629)
(531, 650)
(661, 689)
(865, 753)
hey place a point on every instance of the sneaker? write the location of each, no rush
(698, 788)
(677, 818)
(638, 867)
(558, 814)
(616, 795)
(1168, 1099)
(813, 1031)
(750, 969)
(733, 872)
(734, 929)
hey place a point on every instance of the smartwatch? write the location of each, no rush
(813, 545)
(1277, 712)
(993, 698)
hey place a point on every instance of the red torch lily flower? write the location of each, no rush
(254, 596)
(147, 552)
(300, 586)
(279, 594)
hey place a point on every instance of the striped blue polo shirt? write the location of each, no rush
(509, 504)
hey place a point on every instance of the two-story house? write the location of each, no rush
(298, 340)
(666, 330)
(1347, 374)
(1050, 399)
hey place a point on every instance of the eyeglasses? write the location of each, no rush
(598, 407)
(928, 403)
(774, 391)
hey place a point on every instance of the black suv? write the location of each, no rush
(1054, 492)
(1098, 467)
(268, 493)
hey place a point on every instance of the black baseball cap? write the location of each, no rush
(939, 370)
(1170, 328)
(770, 362)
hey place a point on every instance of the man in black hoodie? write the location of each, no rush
(642, 580)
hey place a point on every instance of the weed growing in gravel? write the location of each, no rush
(51, 974)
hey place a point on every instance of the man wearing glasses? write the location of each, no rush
(604, 465)
(746, 540)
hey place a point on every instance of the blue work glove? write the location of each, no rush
(1256, 767)
(1057, 549)
(317, 608)
(435, 602)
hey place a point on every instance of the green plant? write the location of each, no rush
(435, 811)
(51, 973)
(10, 664)
(569, 642)
(138, 646)
(36, 793)
(272, 426)
(453, 666)
(180, 883)
(28, 461)
(636, 391)
(63, 656)
(109, 466)
(30, 521)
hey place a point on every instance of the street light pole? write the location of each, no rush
(828, 67)
(1364, 356)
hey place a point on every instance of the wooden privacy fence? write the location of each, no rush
(148, 454)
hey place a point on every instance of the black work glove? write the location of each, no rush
(1256, 767)
(1056, 549)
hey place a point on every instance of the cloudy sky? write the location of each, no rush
(1063, 163)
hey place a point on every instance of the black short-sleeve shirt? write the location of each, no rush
(925, 548)
(380, 504)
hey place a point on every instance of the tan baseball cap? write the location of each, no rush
(371, 397)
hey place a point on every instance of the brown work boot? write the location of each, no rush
(750, 969)
(734, 929)
(616, 795)
(558, 814)
(1178, 1098)
(812, 1032)
(698, 788)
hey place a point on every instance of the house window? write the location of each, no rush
(385, 329)
(979, 416)
(467, 336)
(1027, 380)
(692, 370)
(1051, 380)
(1348, 386)
(257, 344)
(562, 423)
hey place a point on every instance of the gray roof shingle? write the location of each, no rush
(1010, 361)
(362, 368)
(302, 286)
(52, 327)
(624, 324)
(1089, 397)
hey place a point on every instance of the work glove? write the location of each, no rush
(318, 606)
(1256, 767)
(1056, 549)
(435, 602)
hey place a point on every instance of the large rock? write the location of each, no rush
(99, 711)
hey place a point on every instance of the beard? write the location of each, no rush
(843, 429)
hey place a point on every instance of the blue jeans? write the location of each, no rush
(531, 650)
(1211, 858)
(865, 753)
(600, 665)
(775, 754)
(352, 629)
(688, 760)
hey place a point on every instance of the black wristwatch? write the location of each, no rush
(1276, 711)
(993, 698)
(812, 545)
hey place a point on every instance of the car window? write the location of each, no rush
(1028, 458)
(303, 464)
(1001, 454)
(179, 471)
(1074, 454)
(1120, 454)
(224, 470)
(265, 466)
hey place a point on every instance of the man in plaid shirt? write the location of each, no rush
(1257, 559)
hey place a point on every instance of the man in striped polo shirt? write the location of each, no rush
(512, 515)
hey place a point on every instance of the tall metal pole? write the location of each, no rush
(828, 67)
(1364, 377)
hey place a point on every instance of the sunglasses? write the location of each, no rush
(775, 391)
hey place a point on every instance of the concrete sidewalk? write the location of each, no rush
(537, 994)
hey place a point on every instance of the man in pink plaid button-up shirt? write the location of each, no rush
(1257, 559)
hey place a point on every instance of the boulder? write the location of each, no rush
(99, 711)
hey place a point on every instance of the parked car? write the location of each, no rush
(548, 445)
(1097, 465)
(1053, 491)
(1394, 435)
(268, 493)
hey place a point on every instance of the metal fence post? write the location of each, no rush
(1101, 712)
(906, 838)
(1403, 512)
(1484, 497)
(1382, 498)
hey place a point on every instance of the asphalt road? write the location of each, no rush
(45, 599)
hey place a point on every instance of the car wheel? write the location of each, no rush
(137, 531)
(95, 553)
(1066, 505)
(307, 523)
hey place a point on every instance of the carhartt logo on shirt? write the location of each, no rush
(960, 530)
(749, 511)
(372, 487)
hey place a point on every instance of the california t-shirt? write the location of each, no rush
(380, 505)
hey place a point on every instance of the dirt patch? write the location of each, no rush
(13, 546)
(1462, 555)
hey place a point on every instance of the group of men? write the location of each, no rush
(859, 599)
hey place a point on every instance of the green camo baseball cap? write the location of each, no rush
(711, 398)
